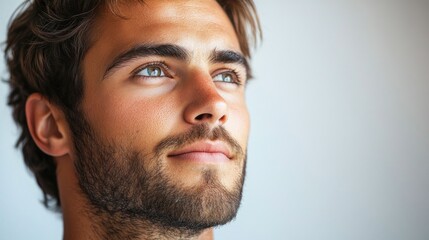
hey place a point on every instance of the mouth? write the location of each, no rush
(204, 152)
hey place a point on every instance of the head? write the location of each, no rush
(144, 98)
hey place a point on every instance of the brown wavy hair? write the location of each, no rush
(46, 43)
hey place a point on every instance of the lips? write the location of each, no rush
(203, 151)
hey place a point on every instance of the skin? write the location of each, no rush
(138, 111)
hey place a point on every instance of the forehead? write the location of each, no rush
(164, 11)
(200, 26)
(155, 21)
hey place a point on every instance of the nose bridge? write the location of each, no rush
(205, 104)
(205, 89)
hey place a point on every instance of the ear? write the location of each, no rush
(47, 126)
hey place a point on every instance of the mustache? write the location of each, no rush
(198, 133)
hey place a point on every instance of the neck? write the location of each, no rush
(85, 223)
(117, 226)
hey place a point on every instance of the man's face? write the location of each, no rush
(166, 113)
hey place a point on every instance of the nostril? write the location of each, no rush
(223, 119)
(203, 116)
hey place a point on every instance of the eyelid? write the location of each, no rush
(236, 75)
(160, 64)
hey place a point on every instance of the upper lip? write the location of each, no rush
(204, 146)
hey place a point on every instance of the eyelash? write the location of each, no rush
(161, 64)
(236, 74)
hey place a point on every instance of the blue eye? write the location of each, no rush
(226, 77)
(151, 71)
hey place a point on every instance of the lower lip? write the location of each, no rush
(203, 157)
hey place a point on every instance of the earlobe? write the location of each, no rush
(47, 126)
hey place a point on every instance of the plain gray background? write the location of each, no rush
(339, 146)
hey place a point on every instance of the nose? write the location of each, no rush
(205, 104)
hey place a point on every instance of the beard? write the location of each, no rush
(129, 188)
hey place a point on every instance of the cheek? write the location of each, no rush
(140, 123)
(238, 124)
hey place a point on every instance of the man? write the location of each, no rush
(133, 113)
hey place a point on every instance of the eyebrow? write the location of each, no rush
(228, 56)
(162, 50)
(174, 51)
